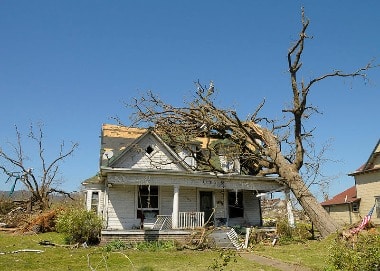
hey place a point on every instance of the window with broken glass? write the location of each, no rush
(147, 202)
(235, 204)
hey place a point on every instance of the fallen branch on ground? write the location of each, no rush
(22, 250)
(48, 243)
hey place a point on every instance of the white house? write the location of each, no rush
(147, 190)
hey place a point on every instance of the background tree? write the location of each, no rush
(40, 180)
(263, 146)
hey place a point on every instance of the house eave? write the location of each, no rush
(341, 203)
(372, 170)
(120, 176)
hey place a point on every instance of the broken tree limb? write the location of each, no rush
(22, 250)
(48, 243)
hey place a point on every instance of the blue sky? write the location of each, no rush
(72, 64)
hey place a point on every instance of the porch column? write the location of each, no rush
(289, 208)
(175, 207)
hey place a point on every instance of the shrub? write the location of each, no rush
(156, 245)
(79, 225)
(299, 233)
(362, 253)
(116, 245)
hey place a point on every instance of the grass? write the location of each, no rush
(311, 253)
(60, 258)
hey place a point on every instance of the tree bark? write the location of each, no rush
(317, 214)
(292, 178)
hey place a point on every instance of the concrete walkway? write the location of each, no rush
(280, 265)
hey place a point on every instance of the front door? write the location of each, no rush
(206, 205)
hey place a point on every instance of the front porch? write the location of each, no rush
(186, 220)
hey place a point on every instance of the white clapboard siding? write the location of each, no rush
(187, 199)
(137, 157)
(121, 208)
(251, 205)
(220, 207)
(166, 200)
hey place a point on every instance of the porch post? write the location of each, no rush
(289, 208)
(175, 207)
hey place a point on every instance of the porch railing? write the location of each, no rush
(163, 222)
(191, 220)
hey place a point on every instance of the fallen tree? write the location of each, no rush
(262, 146)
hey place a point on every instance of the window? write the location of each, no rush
(235, 204)
(147, 206)
(377, 201)
(355, 207)
(149, 149)
(94, 201)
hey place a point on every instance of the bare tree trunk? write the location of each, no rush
(317, 214)
(292, 178)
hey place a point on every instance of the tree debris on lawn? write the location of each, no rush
(49, 243)
(22, 250)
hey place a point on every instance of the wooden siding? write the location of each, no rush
(368, 187)
(220, 204)
(188, 199)
(138, 158)
(252, 215)
(252, 212)
(121, 210)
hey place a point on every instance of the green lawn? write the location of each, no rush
(59, 258)
(312, 254)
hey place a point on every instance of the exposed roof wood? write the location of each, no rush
(174, 156)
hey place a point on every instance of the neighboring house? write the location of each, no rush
(146, 187)
(353, 204)
(344, 207)
(367, 182)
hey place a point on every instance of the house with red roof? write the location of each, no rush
(344, 207)
(353, 204)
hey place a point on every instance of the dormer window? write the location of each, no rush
(149, 149)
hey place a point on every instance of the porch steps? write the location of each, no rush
(226, 239)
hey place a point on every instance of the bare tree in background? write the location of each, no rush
(41, 180)
(264, 147)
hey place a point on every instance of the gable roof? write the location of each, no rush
(373, 162)
(175, 157)
(345, 197)
(116, 138)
